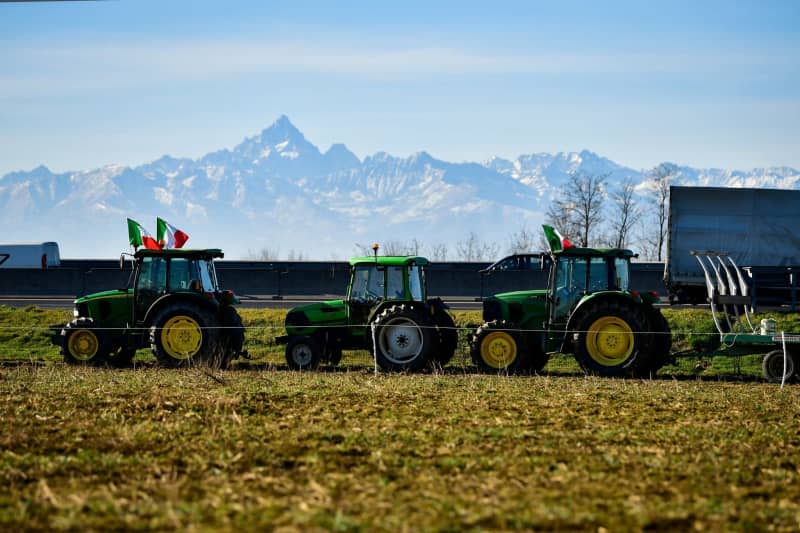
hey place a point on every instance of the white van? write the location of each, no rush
(29, 255)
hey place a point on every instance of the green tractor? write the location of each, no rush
(588, 309)
(386, 311)
(173, 306)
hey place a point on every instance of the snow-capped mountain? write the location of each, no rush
(277, 190)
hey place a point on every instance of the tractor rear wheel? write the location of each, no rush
(303, 353)
(84, 344)
(404, 338)
(448, 337)
(773, 366)
(182, 334)
(610, 339)
(497, 347)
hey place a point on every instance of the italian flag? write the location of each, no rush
(556, 241)
(138, 236)
(168, 235)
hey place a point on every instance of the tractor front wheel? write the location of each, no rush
(610, 339)
(497, 348)
(404, 339)
(182, 334)
(303, 353)
(84, 344)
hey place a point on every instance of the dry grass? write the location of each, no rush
(155, 449)
(261, 447)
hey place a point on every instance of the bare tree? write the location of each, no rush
(578, 208)
(625, 215)
(523, 241)
(438, 252)
(392, 247)
(295, 255)
(661, 178)
(265, 254)
(472, 249)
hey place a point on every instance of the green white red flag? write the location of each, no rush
(138, 236)
(555, 240)
(168, 235)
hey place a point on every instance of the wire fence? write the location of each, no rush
(735, 360)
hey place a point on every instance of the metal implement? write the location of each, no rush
(732, 311)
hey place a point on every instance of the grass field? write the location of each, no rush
(260, 447)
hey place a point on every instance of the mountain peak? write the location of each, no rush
(280, 139)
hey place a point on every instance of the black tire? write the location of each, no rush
(497, 348)
(611, 339)
(84, 344)
(183, 334)
(405, 339)
(123, 357)
(658, 353)
(231, 338)
(536, 356)
(333, 355)
(303, 353)
(448, 337)
(772, 365)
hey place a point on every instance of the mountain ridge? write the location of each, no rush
(276, 190)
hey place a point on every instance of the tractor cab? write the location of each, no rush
(187, 273)
(578, 272)
(383, 279)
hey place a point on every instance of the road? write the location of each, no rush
(248, 301)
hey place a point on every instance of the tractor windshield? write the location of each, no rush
(371, 282)
(191, 274)
(367, 284)
(416, 283)
(622, 268)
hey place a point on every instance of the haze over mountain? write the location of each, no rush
(277, 190)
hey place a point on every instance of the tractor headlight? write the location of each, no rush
(75, 312)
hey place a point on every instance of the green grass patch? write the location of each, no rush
(24, 337)
(148, 448)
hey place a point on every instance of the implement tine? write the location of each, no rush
(711, 291)
(723, 290)
(744, 290)
(732, 287)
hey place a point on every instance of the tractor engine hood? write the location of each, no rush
(317, 314)
(104, 295)
(520, 296)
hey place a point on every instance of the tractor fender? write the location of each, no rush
(418, 307)
(436, 304)
(586, 302)
(177, 298)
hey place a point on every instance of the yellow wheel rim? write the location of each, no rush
(609, 341)
(83, 344)
(181, 337)
(498, 349)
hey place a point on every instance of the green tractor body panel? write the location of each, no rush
(113, 309)
(390, 260)
(306, 319)
(528, 309)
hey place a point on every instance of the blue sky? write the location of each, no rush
(84, 84)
